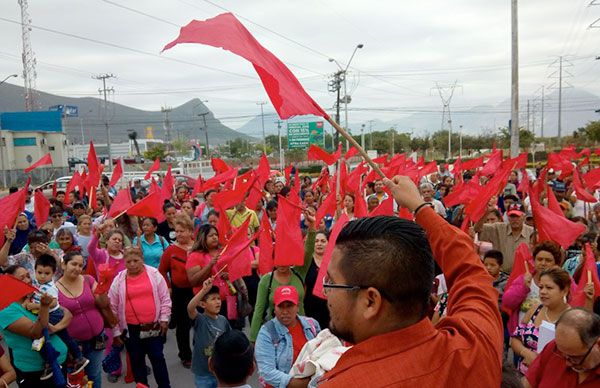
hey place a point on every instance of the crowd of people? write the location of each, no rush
(397, 301)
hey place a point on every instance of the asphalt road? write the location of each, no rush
(179, 376)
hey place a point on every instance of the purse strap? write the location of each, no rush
(130, 302)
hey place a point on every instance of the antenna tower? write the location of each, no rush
(29, 62)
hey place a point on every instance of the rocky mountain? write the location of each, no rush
(184, 119)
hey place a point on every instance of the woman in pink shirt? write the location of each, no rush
(76, 293)
(113, 254)
(139, 297)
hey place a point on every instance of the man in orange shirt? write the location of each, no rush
(378, 284)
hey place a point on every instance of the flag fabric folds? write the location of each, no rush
(589, 267)
(289, 245)
(317, 153)
(13, 290)
(335, 232)
(155, 166)
(44, 161)
(149, 206)
(117, 173)
(41, 208)
(121, 203)
(93, 176)
(265, 244)
(10, 207)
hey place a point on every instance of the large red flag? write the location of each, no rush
(10, 207)
(155, 166)
(335, 232)
(13, 290)
(589, 272)
(385, 208)
(168, 185)
(559, 162)
(236, 245)
(477, 207)
(44, 161)
(149, 206)
(463, 193)
(429, 168)
(256, 194)
(93, 177)
(521, 161)
(328, 207)
(317, 153)
(117, 173)
(41, 208)
(289, 247)
(580, 191)
(265, 243)
(121, 203)
(227, 199)
(219, 166)
(225, 31)
(493, 163)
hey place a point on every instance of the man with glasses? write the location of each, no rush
(378, 285)
(573, 358)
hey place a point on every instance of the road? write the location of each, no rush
(180, 377)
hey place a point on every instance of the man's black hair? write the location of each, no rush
(272, 204)
(494, 254)
(392, 255)
(12, 189)
(213, 290)
(233, 358)
(46, 261)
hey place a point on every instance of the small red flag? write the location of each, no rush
(223, 225)
(168, 185)
(472, 164)
(289, 247)
(225, 31)
(227, 199)
(121, 203)
(41, 208)
(493, 164)
(93, 176)
(385, 208)
(198, 186)
(360, 206)
(149, 206)
(462, 194)
(429, 168)
(10, 207)
(219, 166)
(351, 153)
(75, 181)
(256, 194)
(265, 243)
(476, 208)
(216, 180)
(263, 171)
(553, 203)
(381, 160)
(580, 192)
(335, 232)
(592, 178)
(522, 255)
(117, 173)
(44, 161)
(328, 207)
(236, 245)
(13, 290)
(317, 153)
(589, 267)
(521, 161)
(155, 166)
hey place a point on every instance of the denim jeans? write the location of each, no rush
(94, 369)
(205, 381)
(138, 350)
(57, 316)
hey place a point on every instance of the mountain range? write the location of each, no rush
(185, 120)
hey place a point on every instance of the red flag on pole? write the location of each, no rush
(10, 207)
(75, 181)
(335, 232)
(117, 173)
(44, 161)
(41, 208)
(149, 206)
(13, 290)
(225, 31)
(289, 247)
(553, 203)
(351, 153)
(263, 171)
(218, 179)
(327, 207)
(317, 153)
(592, 178)
(493, 163)
(223, 226)
(580, 192)
(121, 203)
(360, 206)
(93, 176)
(472, 164)
(155, 166)
(522, 255)
(476, 208)
(589, 274)
(265, 243)
(219, 166)
(385, 208)
(168, 185)
(236, 245)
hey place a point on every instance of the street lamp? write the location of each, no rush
(10, 76)
(346, 97)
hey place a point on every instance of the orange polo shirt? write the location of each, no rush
(463, 350)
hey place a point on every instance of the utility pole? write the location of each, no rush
(362, 136)
(446, 93)
(206, 133)
(281, 155)
(560, 74)
(460, 141)
(262, 118)
(393, 130)
(542, 118)
(528, 117)
(371, 134)
(514, 96)
(104, 91)
(335, 85)
(167, 125)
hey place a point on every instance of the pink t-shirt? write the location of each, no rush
(202, 259)
(87, 321)
(139, 300)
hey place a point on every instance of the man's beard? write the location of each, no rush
(344, 335)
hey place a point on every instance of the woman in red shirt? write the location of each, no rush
(172, 266)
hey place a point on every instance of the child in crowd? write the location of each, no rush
(208, 326)
(232, 360)
(45, 266)
(493, 260)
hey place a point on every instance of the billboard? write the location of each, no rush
(301, 135)
(66, 110)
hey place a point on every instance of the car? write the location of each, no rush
(48, 187)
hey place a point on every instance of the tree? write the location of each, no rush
(181, 147)
(158, 150)
(592, 130)
(526, 138)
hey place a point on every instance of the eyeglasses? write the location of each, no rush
(575, 360)
(328, 284)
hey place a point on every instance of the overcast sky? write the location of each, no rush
(408, 47)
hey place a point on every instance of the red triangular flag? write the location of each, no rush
(385, 208)
(522, 255)
(351, 153)
(75, 181)
(223, 225)
(592, 178)
(41, 208)
(93, 176)
(13, 290)
(121, 203)
(553, 203)
(225, 31)
(168, 185)
(227, 199)
(360, 206)
(256, 194)
(219, 166)
(327, 207)
(580, 192)
(462, 194)
(472, 164)
(289, 247)
(236, 245)
(317, 153)
(10, 207)
(117, 173)
(44, 161)
(263, 171)
(335, 232)
(588, 272)
(493, 164)
(198, 186)
(216, 180)
(149, 206)
(477, 207)
(381, 160)
(265, 243)
(155, 166)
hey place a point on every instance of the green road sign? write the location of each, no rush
(301, 135)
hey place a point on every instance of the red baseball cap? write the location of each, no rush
(515, 210)
(285, 294)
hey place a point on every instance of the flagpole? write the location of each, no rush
(362, 152)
